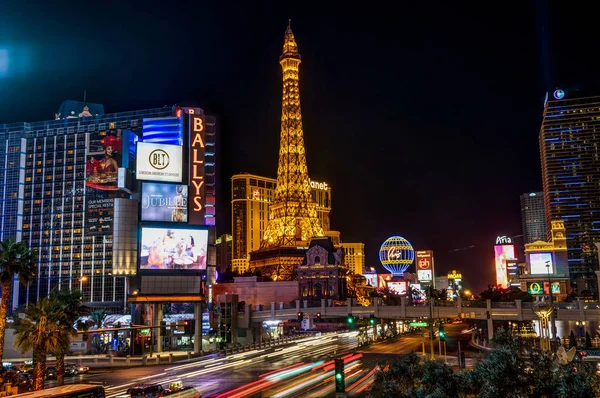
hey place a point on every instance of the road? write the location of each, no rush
(283, 371)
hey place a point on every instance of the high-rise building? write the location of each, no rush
(533, 217)
(70, 193)
(293, 219)
(224, 245)
(251, 197)
(321, 196)
(354, 256)
(570, 152)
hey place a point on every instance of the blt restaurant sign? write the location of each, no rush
(197, 129)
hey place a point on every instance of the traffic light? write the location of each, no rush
(340, 383)
(488, 314)
(372, 319)
(442, 334)
(350, 319)
(318, 316)
(300, 316)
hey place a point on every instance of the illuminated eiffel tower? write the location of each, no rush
(293, 217)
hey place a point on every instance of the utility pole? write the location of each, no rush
(431, 334)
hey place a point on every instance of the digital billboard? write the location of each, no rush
(164, 202)
(424, 275)
(371, 279)
(382, 280)
(538, 261)
(398, 288)
(502, 254)
(170, 249)
(159, 162)
(541, 287)
(103, 159)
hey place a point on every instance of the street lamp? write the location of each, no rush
(544, 312)
(552, 325)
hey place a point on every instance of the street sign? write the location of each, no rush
(417, 324)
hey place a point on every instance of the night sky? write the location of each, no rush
(424, 119)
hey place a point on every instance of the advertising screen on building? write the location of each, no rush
(382, 280)
(173, 249)
(502, 254)
(159, 162)
(424, 275)
(164, 202)
(541, 287)
(538, 262)
(103, 159)
(371, 279)
(398, 288)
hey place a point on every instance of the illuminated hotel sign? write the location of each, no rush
(454, 275)
(159, 162)
(197, 139)
(319, 185)
(424, 261)
(503, 240)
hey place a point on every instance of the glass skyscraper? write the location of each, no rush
(533, 217)
(569, 145)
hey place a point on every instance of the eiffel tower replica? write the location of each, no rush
(293, 217)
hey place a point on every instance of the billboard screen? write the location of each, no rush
(164, 202)
(502, 254)
(424, 275)
(170, 249)
(538, 263)
(104, 157)
(382, 280)
(371, 279)
(398, 288)
(159, 162)
(541, 287)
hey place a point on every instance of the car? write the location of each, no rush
(71, 369)
(145, 391)
(457, 321)
(83, 369)
(51, 373)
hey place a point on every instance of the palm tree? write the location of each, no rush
(69, 308)
(39, 332)
(98, 317)
(15, 259)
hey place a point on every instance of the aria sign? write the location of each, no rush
(197, 136)
(503, 240)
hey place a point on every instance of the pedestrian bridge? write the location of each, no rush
(498, 311)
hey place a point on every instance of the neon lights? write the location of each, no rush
(197, 130)
(559, 94)
(396, 255)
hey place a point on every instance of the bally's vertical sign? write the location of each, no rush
(197, 129)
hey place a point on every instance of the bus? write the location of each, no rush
(67, 391)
